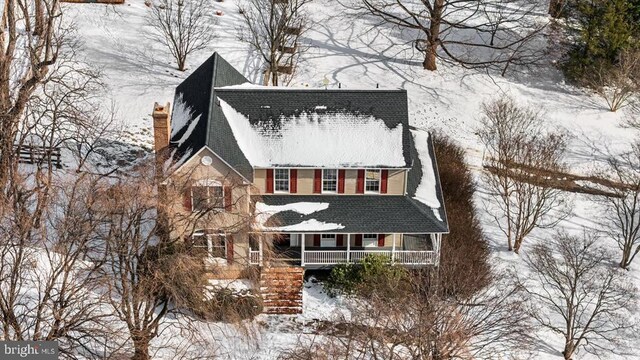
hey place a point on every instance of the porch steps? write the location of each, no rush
(281, 289)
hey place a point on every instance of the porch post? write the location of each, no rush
(393, 249)
(348, 247)
(260, 256)
(438, 242)
(303, 239)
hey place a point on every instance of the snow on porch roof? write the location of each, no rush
(347, 214)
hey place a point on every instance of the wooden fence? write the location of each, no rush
(38, 155)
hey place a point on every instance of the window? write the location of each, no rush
(281, 180)
(372, 181)
(200, 243)
(294, 240)
(328, 240)
(329, 180)
(417, 242)
(207, 194)
(370, 240)
(291, 240)
(213, 244)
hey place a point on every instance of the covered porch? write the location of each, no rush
(320, 250)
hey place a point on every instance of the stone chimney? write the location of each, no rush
(161, 127)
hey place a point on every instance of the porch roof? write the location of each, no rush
(351, 214)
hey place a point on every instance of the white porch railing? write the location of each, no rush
(315, 257)
(401, 257)
(407, 257)
(358, 255)
(254, 257)
(334, 257)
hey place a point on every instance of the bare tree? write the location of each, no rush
(519, 152)
(578, 296)
(619, 83)
(152, 267)
(273, 30)
(471, 33)
(622, 212)
(31, 36)
(183, 26)
(49, 291)
(419, 322)
(67, 112)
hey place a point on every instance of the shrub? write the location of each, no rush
(343, 279)
(374, 274)
(464, 266)
(171, 272)
(228, 306)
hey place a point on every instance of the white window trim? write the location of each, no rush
(288, 182)
(379, 181)
(375, 241)
(328, 236)
(322, 185)
(297, 238)
(210, 243)
(208, 184)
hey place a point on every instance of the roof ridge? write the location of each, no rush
(212, 95)
(286, 89)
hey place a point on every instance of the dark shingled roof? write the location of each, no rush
(199, 94)
(268, 106)
(363, 213)
(207, 83)
(415, 176)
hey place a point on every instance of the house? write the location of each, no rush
(328, 175)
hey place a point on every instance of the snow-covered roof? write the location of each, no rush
(318, 139)
(251, 126)
(265, 212)
(428, 189)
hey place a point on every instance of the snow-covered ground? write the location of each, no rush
(355, 54)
